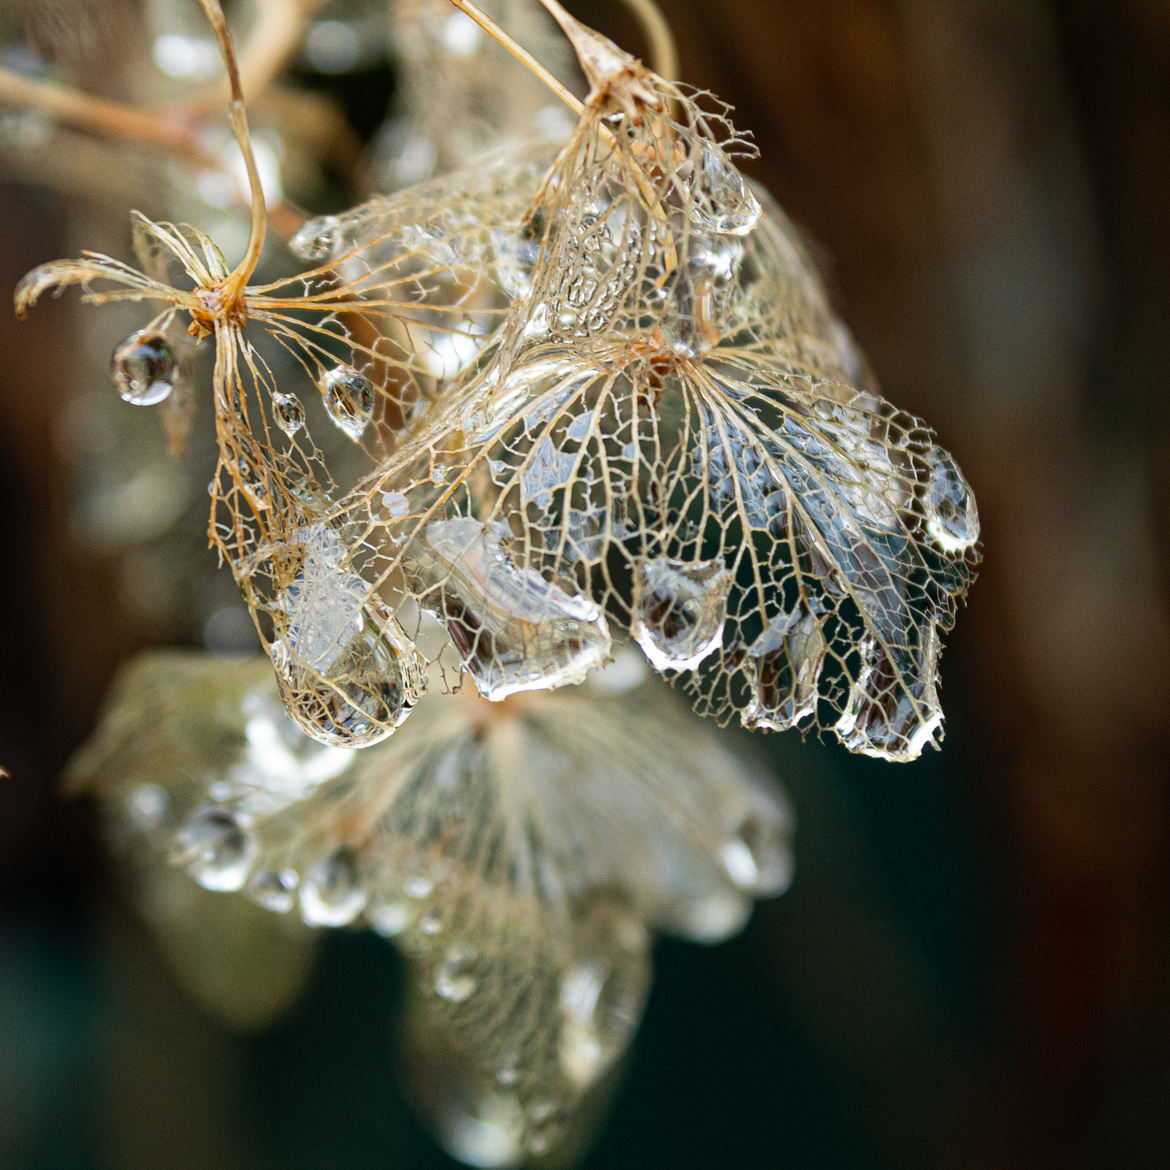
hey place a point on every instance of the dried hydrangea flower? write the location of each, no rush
(519, 854)
(676, 432)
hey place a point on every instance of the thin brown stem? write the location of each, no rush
(241, 274)
(504, 40)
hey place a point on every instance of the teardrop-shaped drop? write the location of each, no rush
(288, 412)
(892, 710)
(788, 658)
(331, 894)
(369, 690)
(143, 368)
(952, 519)
(723, 201)
(515, 630)
(679, 610)
(349, 399)
(216, 848)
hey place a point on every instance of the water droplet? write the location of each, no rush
(146, 805)
(431, 923)
(788, 658)
(515, 630)
(679, 610)
(892, 710)
(331, 894)
(216, 848)
(722, 199)
(758, 858)
(288, 412)
(952, 520)
(390, 919)
(274, 889)
(347, 674)
(349, 399)
(601, 998)
(318, 239)
(143, 368)
(457, 975)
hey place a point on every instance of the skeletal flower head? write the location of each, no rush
(520, 854)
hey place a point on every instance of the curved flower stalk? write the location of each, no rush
(677, 433)
(519, 854)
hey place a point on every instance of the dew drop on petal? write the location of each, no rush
(679, 610)
(547, 1122)
(273, 889)
(457, 975)
(952, 520)
(757, 856)
(723, 200)
(515, 630)
(331, 894)
(349, 399)
(143, 368)
(892, 711)
(318, 239)
(288, 412)
(216, 848)
(788, 658)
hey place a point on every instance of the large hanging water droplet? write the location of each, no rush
(788, 658)
(952, 520)
(216, 848)
(892, 710)
(347, 674)
(288, 413)
(679, 610)
(457, 975)
(723, 201)
(349, 399)
(371, 688)
(515, 630)
(331, 894)
(143, 368)
(318, 239)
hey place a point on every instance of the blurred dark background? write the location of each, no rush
(973, 966)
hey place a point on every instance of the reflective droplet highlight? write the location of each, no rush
(515, 630)
(349, 399)
(331, 894)
(679, 610)
(216, 848)
(952, 519)
(288, 413)
(275, 890)
(143, 368)
(318, 239)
